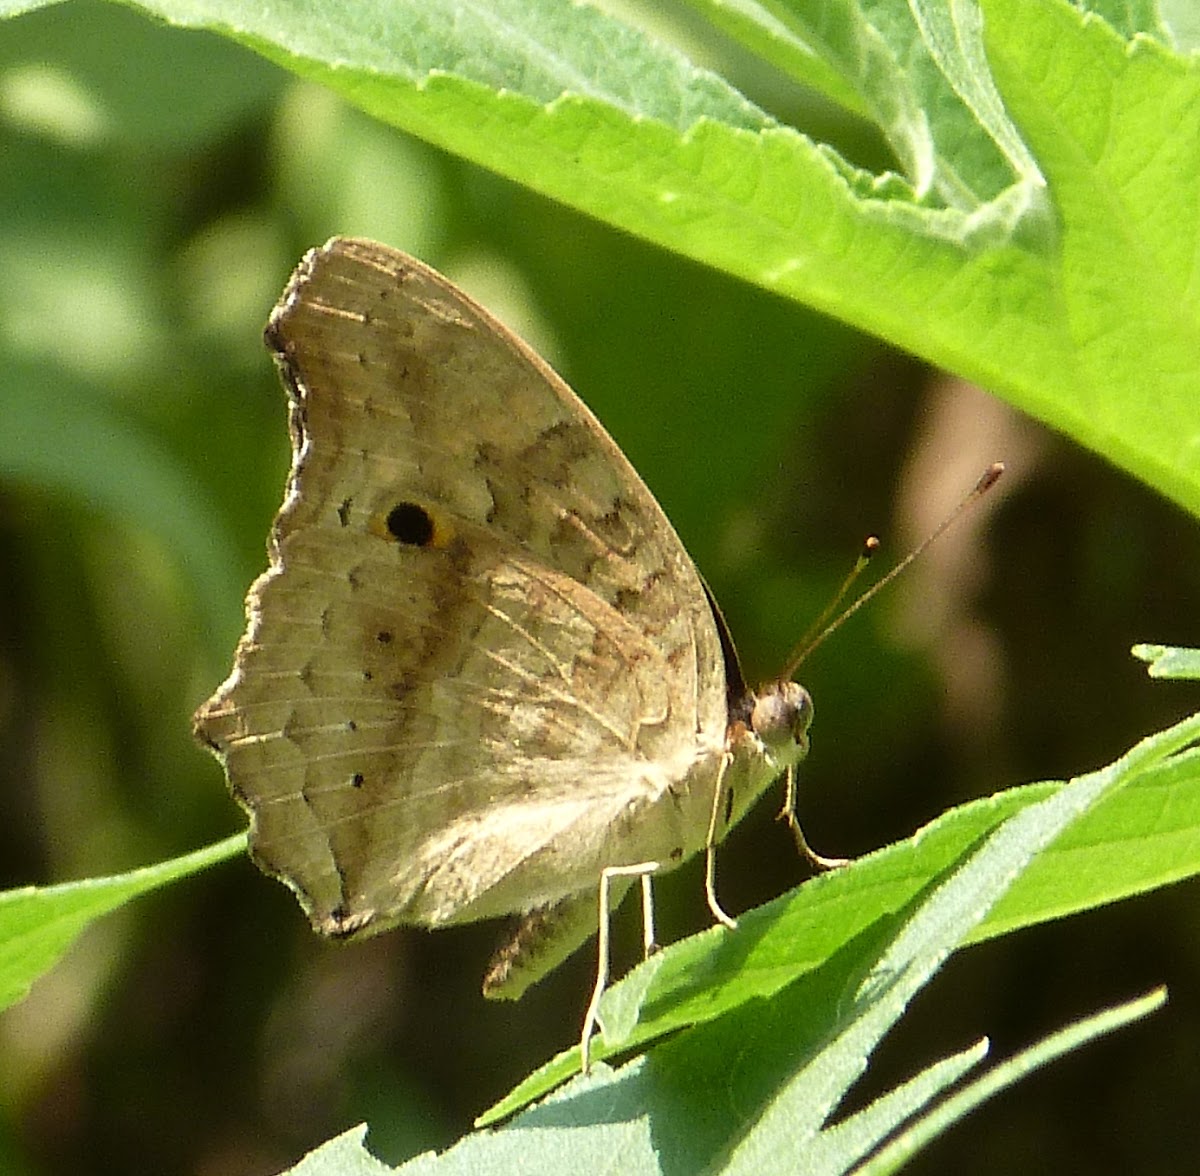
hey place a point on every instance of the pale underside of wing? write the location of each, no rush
(441, 727)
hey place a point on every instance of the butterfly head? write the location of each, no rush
(780, 717)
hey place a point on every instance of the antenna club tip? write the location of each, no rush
(870, 546)
(990, 477)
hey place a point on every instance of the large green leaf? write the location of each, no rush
(1040, 242)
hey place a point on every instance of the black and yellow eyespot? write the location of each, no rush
(414, 525)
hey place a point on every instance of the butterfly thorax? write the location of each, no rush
(766, 736)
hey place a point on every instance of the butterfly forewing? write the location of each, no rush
(480, 653)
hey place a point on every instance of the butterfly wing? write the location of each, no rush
(480, 652)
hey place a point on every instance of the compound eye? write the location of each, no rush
(782, 713)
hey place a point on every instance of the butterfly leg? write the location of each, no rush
(710, 848)
(788, 814)
(642, 870)
(649, 941)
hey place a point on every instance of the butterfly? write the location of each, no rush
(481, 676)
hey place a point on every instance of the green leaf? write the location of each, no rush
(344, 1155)
(39, 923)
(1168, 661)
(797, 43)
(1041, 242)
(1151, 798)
(621, 1141)
(1115, 126)
(929, 1126)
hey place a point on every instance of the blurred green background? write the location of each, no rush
(156, 188)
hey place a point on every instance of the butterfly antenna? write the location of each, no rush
(823, 627)
(816, 630)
